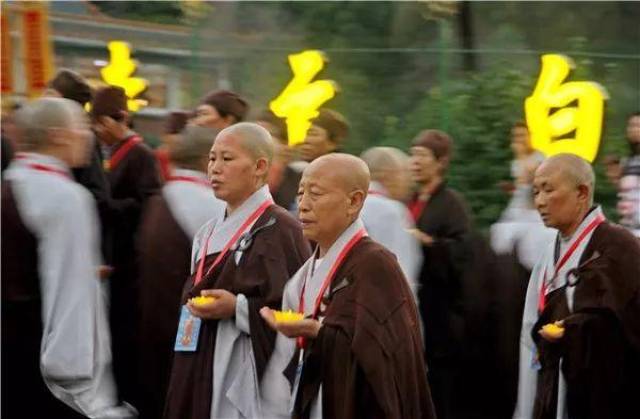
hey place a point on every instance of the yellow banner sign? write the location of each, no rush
(38, 62)
(299, 101)
(565, 117)
(119, 71)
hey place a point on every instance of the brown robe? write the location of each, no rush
(600, 350)
(24, 392)
(132, 181)
(165, 258)
(367, 356)
(276, 253)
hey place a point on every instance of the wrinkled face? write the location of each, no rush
(208, 116)
(558, 200)
(629, 199)
(520, 145)
(317, 143)
(77, 140)
(423, 165)
(232, 170)
(633, 130)
(325, 208)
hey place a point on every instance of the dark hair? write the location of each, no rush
(227, 103)
(109, 101)
(438, 142)
(71, 85)
(278, 123)
(176, 121)
(633, 115)
(520, 124)
(334, 123)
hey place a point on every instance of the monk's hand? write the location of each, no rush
(552, 332)
(223, 305)
(307, 328)
(421, 236)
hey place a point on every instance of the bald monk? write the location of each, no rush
(243, 261)
(587, 286)
(357, 352)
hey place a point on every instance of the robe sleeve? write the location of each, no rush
(74, 357)
(147, 183)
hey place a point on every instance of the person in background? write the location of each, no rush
(133, 177)
(385, 217)
(326, 135)
(442, 223)
(169, 223)
(176, 121)
(220, 109)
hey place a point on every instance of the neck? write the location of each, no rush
(431, 185)
(56, 153)
(237, 203)
(568, 231)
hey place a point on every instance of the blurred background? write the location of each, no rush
(463, 67)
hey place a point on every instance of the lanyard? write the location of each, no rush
(48, 169)
(191, 179)
(563, 260)
(254, 216)
(325, 284)
(111, 163)
(416, 207)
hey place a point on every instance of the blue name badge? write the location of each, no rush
(188, 332)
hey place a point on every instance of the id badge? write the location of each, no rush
(296, 382)
(188, 331)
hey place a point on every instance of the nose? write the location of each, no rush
(303, 203)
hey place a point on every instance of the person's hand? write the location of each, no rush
(223, 307)
(552, 332)
(421, 236)
(307, 328)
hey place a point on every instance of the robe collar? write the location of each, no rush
(24, 159)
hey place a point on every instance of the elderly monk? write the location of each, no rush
(580, 339)
(56, 358)
(357, 353)
(240, 263)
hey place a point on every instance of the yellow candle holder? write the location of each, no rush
(288, 316)
(553, 330)
(201, 300)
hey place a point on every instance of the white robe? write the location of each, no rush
(192, 204)
(235, 376)
(75, 353)
(387, 221)
(275, 388)
(528, 374)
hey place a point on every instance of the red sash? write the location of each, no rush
(48, 169)
(121, 153)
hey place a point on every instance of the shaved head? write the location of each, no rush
(253, 138)
(38, 117)
(332, 192)
(572, 168)
(349, 172)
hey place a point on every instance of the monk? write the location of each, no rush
(580, 339)
(357, 352)
(241, 262)
(133, 177)
(56, 358)
(169, 223)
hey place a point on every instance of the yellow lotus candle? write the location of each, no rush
(287, 316)
(202, 300)
(554, 330)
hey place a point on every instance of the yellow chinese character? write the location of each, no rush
(119, 70)
(549, 131)
(299, 101)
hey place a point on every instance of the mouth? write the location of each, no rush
(215, 183)
(306, 223)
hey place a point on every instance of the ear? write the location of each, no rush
(262, 167)
(356, 201)
(583, 193)
(58, 136)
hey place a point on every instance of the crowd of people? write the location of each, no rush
(227, 274)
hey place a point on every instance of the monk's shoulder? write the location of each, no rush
(370, 258)
(284, 220)
(611, 238)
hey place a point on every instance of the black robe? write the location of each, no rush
(367, 356)
(277, 252)
(165, 258)
(132, 181)
(24, 392)
(600, 350)
(287, 190)
(446, 219)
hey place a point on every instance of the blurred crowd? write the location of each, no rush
(129, 214)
